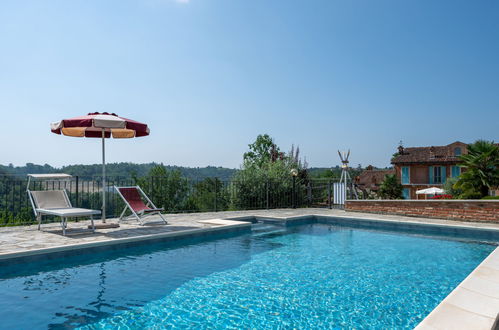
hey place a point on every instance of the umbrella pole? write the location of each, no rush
(103, 176)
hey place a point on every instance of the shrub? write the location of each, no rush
(491, 197)
(390, 188)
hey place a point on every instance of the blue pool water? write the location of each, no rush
(307, 276)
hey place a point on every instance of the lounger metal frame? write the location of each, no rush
(142, 214)
(64, 218)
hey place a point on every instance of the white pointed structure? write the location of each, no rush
(345, 175)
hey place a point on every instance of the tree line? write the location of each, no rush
(118, 170)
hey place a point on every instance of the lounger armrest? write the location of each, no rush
(153, 210)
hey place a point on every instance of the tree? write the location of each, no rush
(210, 194)
(167, 189)
(482, 170)
(251, 184)
(262, 152)
(265, 176)
(390, 188)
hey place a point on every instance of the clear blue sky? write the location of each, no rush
(209, 75)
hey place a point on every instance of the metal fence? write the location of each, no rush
(174, 194)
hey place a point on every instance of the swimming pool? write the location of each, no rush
(308, 276)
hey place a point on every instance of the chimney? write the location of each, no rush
(432, 152)
(401, 150)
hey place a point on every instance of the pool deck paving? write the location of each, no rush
(474, 304)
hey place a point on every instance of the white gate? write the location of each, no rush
(339, 193)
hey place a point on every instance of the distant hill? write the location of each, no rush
(324, 172)
(119, 169)
(129, 169)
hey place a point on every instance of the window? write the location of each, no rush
(456, 171)
(405, 175)
(437, 174)
(457, 151)
(406, 193)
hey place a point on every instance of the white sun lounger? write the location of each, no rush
(56, 202)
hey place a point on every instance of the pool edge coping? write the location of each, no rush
(12, 256)
(474, 303)
(448, 313)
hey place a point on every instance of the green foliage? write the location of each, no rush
(14, 208)
(251, 183)
(22, 217)
(482, 170)
(166, 188)
(332, 173)
(261, 152)
(390, 188)
(325, 173)
(210, 195)
(491, 197)
(264, 169)
(449, 187)
(119, 170)
(395, 155)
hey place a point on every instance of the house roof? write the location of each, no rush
(372, 178)
(433, 154)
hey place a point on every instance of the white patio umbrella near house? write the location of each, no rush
(100, 125)
(430, 191)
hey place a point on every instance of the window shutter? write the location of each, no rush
(431, 174)
(405, 175)
(444, 177)
(406, 193)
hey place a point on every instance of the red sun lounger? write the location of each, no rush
(134, 200)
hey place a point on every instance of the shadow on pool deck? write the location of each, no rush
(134, 232)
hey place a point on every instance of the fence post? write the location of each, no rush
(294, 192)
(329, 194)
(267, 194)
(215, 194)
(309, 193)
(77, 190)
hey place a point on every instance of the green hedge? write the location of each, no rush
(491, 197)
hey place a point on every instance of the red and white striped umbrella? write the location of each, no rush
(94, 125)
(101, 125)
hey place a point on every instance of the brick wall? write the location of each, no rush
(464, 210)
